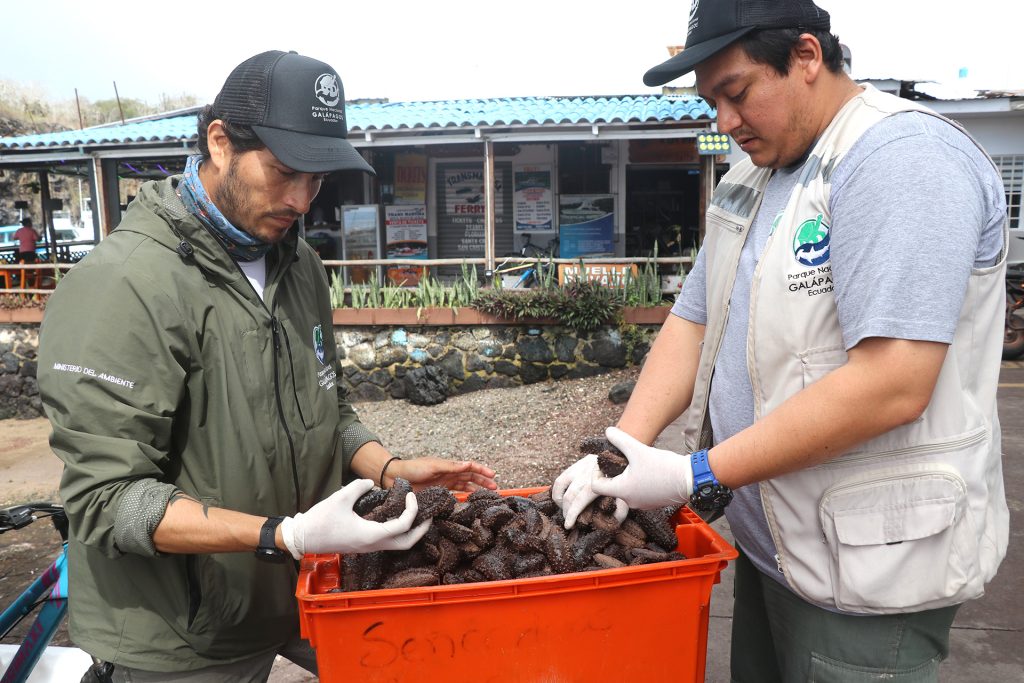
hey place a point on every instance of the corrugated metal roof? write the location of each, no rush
(382, 116)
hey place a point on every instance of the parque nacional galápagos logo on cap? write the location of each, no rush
(327, 90)
(694, 19)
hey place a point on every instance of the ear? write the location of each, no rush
(807, 57)
(219, 145)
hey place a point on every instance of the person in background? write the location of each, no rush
(836, 349)
(189, 369)
(27, 239)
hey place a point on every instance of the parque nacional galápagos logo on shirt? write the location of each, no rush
(810, 244)
(318, 343)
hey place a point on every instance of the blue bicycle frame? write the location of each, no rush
(54, 580)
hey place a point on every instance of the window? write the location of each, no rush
(1012, 168)
(581, 170)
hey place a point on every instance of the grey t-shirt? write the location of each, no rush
(915, 204)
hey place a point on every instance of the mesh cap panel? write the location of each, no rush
(245, 97)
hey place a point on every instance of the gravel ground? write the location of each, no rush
(527, 434)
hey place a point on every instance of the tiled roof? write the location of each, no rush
(382, 116)
(525, 111)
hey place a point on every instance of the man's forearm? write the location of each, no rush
(665, 387)
(189, 526)
(886, 383)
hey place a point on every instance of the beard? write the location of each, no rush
(234, 199)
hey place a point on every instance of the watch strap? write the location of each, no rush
(709, 496)
(267, 548)
(702, 473)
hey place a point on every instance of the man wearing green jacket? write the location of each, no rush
(188, 368)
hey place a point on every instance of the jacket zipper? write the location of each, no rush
(295, 389)
(275, 331)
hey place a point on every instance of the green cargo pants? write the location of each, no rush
(253, 670)
(778, 637)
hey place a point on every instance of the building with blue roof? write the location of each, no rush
(613, 177)
(632, 160)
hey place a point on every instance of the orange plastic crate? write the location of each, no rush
(647, 623)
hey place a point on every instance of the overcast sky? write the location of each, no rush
(432, 50)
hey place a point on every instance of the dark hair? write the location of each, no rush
(242, 138)
(774, 47)
(26, 221)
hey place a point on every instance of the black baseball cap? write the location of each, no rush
(716, 24)
(296, 107)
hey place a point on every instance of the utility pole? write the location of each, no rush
(78, 105)
(118, 97)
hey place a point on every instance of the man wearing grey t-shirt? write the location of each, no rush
(837, 344)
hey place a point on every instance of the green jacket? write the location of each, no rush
(161, 369)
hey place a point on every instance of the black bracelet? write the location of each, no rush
(385, 468)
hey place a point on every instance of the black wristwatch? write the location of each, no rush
(267, 550)
(709, 497)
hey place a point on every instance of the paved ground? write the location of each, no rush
(987, 642)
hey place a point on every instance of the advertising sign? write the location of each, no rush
(405, 231)
(410, 178)
(464, 214)
(533, 206)
(586, 225)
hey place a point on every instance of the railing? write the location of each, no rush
(589, 260)
(14, 277)
(52, 271)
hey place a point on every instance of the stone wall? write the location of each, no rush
(375, 360)
(19, 393)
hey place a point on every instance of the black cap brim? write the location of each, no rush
(308, 153)
(685, 61)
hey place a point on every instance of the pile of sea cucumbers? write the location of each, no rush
(491, 538)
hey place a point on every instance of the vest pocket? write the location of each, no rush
(899, 539)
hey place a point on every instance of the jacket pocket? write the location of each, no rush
(900, 539)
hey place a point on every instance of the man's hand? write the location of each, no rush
(462, 475)
(573, 493)
(331, 526)
(654, 477)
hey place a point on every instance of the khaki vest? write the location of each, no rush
(915, 518)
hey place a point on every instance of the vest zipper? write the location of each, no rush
(977, 436)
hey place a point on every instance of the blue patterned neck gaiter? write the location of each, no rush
(240, 245)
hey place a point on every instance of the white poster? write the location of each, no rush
(532, 205)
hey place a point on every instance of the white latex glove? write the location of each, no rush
(331, 526)
(573, 493)
(654, 477)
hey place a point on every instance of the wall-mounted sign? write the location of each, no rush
(678, 150)
(608, 274)
(533, 206)
(586, 225)
(410, 178)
